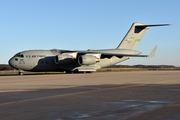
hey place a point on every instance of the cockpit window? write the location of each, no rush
(19, 55)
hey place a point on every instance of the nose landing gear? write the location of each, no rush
(20, 73)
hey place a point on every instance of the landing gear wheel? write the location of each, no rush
(20, 73)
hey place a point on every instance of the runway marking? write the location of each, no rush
(69, 94)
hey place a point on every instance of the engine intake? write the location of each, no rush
(63, 59)
(87, 60)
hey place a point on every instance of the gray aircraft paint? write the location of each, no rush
(58, 60)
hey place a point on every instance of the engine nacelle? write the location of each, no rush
(87, 60)
(63, 59)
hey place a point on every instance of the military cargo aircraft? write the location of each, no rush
(72, 61)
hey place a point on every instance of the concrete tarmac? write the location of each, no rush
(107, 95)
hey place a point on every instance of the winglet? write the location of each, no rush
(153, 52)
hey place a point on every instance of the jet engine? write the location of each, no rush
(63, 59)
(87, 60)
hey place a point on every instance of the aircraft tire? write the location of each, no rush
(20, 73)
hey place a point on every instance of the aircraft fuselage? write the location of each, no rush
(44, 60)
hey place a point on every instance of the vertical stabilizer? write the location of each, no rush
(134, 35)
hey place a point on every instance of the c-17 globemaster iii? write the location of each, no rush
(72, 61)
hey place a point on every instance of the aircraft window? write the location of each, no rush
(19, 55)
(16, 59)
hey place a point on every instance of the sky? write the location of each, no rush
(89, 24)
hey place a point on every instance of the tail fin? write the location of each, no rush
(134, 35)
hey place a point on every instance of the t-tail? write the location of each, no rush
(134, 35)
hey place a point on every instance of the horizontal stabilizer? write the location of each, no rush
(152, 25)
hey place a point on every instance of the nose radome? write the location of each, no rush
(11, 62)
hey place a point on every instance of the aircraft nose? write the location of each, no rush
(11, 62)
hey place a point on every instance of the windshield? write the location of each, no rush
(19, 55)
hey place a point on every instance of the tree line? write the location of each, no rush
(5, 67)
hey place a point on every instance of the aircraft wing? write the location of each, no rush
(131, 55)
(123, 55)
(106, 54)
